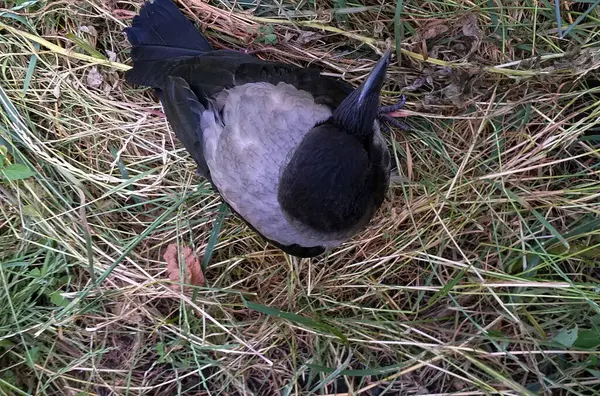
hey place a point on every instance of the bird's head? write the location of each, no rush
(338, 175)
(358, 111)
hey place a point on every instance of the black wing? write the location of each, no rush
(186, 84)
(213, 71)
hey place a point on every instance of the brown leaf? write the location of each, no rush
(192, 271)
(416, 84)
(455, 93)
(306, 37)
(433, 30)
(469, 26)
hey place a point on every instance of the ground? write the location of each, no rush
(479, 275)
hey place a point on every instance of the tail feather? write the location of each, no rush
(150, 53)
(160, 23)
(161, 32)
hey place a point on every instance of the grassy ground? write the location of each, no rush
(480, 274)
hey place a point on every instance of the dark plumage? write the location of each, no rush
(299, 156)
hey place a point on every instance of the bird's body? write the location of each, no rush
(245, 158)
(284, 146)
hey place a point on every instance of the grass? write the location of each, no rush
(480, 274)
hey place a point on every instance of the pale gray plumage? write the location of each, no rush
(245, 158)
(298, 155)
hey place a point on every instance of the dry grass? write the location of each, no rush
(478, 276)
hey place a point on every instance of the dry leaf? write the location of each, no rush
(94, 78)
(306, 37)
(431, 31)
(423, 34)
(193, 270)
(416, 84)
(469, 26)
(89, 30)
(454, 92)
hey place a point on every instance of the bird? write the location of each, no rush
(299, 156)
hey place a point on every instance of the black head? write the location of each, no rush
(326, 184)
(358, 111)
(337, 176)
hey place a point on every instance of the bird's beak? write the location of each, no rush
(371, 87)
(358, 111)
